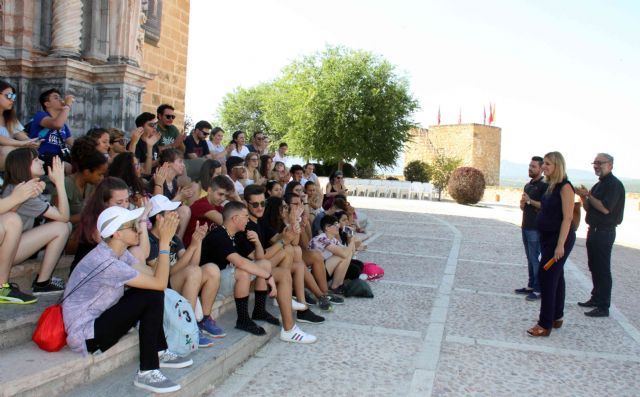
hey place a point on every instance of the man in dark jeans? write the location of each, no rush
(604, 205)
(530, 205)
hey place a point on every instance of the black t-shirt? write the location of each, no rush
(201, 148)
(535, 190)
(141, 152)
(243, 245)
(216, 247)
(611, 192)
(267, 233)
(175, 246)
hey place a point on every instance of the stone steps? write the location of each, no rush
(24, 273)
(26, 370)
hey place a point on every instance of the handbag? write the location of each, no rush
(50, 334)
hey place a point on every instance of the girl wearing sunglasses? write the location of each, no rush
(11, 131)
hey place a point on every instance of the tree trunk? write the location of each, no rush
(340, 165)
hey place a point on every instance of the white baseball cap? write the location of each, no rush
(111, 219)
(161, 203)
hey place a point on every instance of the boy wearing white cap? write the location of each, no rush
(186, 276)
(98, 311)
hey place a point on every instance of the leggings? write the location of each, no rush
(143, 305)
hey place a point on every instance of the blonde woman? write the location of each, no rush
(252, 163)
(557, 237)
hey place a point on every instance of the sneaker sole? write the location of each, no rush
(328, 309)
(309, 322)
(156, 389)
(205, 346)
(14, 301)
(183, 364)
(303, 341)
(219, 336)
(337, 303)
(47, 292)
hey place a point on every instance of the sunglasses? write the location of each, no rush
(134, 227)
(338, 177)
(170, 116)
(12, 96)
(153, 125)
(258, 204)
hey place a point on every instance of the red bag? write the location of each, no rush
(49, 334)
(373, 271)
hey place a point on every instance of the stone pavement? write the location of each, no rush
(445, 321)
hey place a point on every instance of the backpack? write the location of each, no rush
(373, 271)
(179, 323)
(357, 288)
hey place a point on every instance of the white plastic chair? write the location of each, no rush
(404, 189)
(416, 190)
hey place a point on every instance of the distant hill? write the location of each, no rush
(517, 174)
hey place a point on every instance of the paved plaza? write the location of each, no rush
(445, 320)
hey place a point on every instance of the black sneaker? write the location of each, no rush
(251, 327)
(308, 316)
(324, 303)
(308, 296)
(10, 293)
(53, 286)
(335, 299)
(338, 290)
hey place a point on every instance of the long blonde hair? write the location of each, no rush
(559, 172)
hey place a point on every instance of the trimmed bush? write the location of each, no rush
(466, 185)
(417, 171)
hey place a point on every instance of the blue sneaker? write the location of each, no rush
(204, 340)
(209, 326)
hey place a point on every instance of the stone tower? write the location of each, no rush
(117, 57)
(477, 145)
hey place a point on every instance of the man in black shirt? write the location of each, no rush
(220, 248)
(196, 144)
(604, 205)
(530, 205)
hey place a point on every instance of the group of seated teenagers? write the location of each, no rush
(132, 218)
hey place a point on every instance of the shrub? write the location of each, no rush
(327, 168)
(416, 171)
(365, 171)
(466, 185)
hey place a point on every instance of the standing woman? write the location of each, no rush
(9, 124)
(239, 147)
(557, 236)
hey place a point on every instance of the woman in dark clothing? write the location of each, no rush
(557, 237)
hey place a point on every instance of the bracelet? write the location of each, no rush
(163, 252)
(269, 278)
(157, 184)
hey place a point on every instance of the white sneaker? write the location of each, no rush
(295, 305)
(296, 335)
(155, 381)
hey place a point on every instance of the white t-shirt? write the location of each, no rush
(5, 132)
(243, 152)
(277, 157)
(213, 148)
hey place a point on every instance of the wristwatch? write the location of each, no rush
(528, 202)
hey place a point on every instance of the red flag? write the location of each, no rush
(484, 117)
(438, 115)
(490, 114)
(460, 116)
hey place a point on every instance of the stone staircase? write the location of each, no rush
(25, 370)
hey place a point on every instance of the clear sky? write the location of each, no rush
(565, 75)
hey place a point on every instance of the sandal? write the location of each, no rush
(537, 330)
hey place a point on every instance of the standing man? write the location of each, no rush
(604, 205)
(171, 136)
(530, 205)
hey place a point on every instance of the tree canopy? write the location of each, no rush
(337, 105)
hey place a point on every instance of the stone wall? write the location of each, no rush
(118, 57)
(476, 145)
(168, 61)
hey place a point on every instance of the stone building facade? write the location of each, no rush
(117, 57)
(477, 145)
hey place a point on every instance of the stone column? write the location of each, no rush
(124, 22)
(66, 28)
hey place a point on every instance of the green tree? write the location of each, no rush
(243, 109)
(342, 105)
(440, 170)
(417, 170)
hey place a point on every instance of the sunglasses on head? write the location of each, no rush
(11, 96)
(258, 204)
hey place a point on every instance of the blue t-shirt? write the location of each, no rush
(53, 141)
